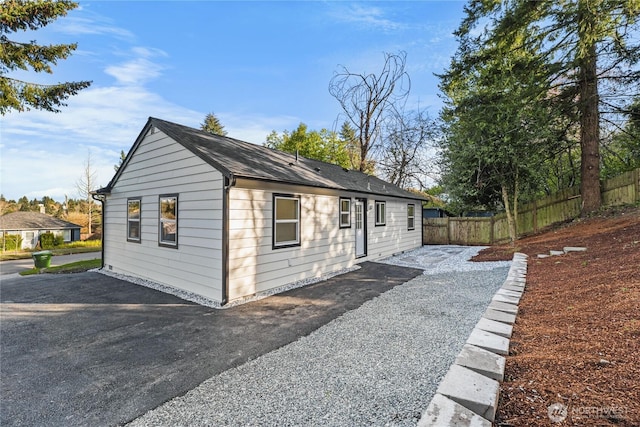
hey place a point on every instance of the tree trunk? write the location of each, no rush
(515, 207)
(589, 123)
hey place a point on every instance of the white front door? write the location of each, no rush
(361, 228)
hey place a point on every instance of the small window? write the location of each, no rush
(133, 220)
(168, 221)
(286, 221)
(345, 213)
(411, 217)
(381, 214)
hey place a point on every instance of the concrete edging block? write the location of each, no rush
(515, 288)
(471, 390)
(489, 341)
(509, 293)
(482, 361)
(500, 316)
(443, 411)
(505, 298)
(468, 395)
(495, 327)
(504, 306)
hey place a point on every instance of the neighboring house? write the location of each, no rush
(225, 219)
(30, 225)
(435, 213)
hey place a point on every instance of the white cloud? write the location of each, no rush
(369, 16)
(135, 72)
(138, 70)
(90, 24)
(43, 153)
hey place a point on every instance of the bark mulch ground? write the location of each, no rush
(574, 358)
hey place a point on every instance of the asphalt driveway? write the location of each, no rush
(87, 349)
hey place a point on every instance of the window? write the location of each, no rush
(381, 214)
(345, 213)
(168, 221)
(411, 217)
(286, 221)
(133, 220)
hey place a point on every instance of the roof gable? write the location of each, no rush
(33, 221)
(240, 159)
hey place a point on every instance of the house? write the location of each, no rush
(30, 225)
(435, 213)
(226, 219)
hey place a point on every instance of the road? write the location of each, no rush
(16, 266)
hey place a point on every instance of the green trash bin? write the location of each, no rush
(42, 259)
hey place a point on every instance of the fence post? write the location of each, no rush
(492, 232)
(448, 231)
(636, 183)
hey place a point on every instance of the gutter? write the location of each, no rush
(101, 196)
(229, 182)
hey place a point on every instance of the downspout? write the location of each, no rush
(228, 183)
(102, 198)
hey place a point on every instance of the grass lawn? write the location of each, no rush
(74, 267)
(7, 256)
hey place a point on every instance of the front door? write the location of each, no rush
(361, 228)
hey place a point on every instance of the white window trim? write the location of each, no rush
(129, 220)
(347, 213)
(161, 221)
(381, 205)
(411, 219)
(276, 221)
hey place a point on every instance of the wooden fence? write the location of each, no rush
(532, 217)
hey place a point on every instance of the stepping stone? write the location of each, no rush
(568, 249)
(482, 361)
(504, 298)
(543, 256)
(504, 306)
(556, 253)
(500, 316)
(471, 390)
(495, 327)
(443, 411)
(488, 341)
(509, 293)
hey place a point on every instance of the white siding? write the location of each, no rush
(161, 166)
(254, 265)
(394, 237)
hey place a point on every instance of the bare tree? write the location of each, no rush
(367, 98)
(403, 155)
(85, 185)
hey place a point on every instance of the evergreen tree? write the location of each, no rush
(23, 15)
(212, 125)
(592, 48)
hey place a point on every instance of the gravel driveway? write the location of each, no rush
(379, 364)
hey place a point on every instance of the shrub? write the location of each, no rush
(47, 240)
(58, 240)
(11, 242)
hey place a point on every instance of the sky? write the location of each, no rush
(259, 66)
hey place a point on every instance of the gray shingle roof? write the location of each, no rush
(240, 159)
(33, 221)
